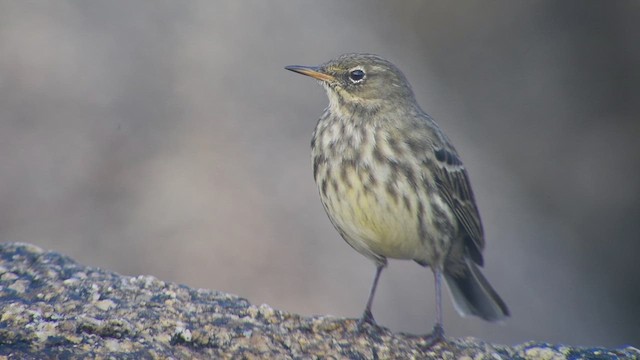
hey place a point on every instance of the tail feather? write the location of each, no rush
(473, 295)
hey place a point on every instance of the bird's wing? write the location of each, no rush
(453, 183)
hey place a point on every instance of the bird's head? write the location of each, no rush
(360, 80)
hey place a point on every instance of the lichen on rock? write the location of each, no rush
(53, 307)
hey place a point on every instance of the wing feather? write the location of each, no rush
(454, 186)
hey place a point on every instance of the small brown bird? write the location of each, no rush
(394, 186)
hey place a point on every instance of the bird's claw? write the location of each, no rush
(436, 336)
(366, 319)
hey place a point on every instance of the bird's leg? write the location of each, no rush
(437, 277)
(367, 317)
(437, 334)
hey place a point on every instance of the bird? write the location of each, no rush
(393, 185)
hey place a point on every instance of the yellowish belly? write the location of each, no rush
(373, 220)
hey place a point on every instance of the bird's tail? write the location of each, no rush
(473, 295)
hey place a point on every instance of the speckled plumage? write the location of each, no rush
(392, 183)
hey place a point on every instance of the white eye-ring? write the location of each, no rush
(356, 75)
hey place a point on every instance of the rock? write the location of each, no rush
(52, 307)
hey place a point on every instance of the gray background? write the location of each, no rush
(165, 138)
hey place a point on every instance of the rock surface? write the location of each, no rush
(52, 307)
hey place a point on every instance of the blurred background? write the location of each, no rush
(165, 138)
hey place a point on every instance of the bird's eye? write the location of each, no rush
(356, 75)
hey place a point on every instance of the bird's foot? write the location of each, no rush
(366, 319)
(436, 336)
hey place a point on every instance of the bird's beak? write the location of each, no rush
(312, 71)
